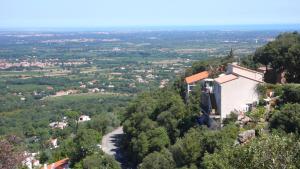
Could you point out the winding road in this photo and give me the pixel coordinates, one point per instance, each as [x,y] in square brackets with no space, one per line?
[110,142]
[110,145]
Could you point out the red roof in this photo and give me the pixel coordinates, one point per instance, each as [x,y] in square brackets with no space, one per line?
[58,164]
[197,77]
[225,78]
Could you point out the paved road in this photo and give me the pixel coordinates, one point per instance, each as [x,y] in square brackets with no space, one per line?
[110,142]
[111,145]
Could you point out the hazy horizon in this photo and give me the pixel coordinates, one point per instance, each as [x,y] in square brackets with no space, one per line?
[245,27]
[132,13]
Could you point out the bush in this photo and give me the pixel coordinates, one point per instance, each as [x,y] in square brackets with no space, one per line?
[287,118]
[257,114]
[269,151]
[291,93]
[158,160]
[262,89]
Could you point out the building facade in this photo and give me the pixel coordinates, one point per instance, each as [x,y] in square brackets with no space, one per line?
[236,90]
[193,80]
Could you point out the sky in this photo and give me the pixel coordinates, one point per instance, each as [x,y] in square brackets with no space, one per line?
[115,13]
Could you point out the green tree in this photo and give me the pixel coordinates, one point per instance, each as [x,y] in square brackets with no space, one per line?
[291,93]
[158,139]
[87,140]
[283,54]
[265,55]
[152,123]
[85,143]
[29,131]
[158,160]
[294,63]
[287,118]
[140,146]
[228,59]
[73,117]
[194,101]
[104,123]
[43,157]
[197,67]
[269,151]
[231,55]
[98,160]
[189,150]
[67,148]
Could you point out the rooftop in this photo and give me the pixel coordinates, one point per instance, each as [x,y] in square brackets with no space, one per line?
[246,69]
[247,73]
[58,164]
[225,78]
[197,77]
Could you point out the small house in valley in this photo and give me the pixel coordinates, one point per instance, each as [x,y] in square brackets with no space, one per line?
[58,125]
[53,143]
[84,118]
[31,161]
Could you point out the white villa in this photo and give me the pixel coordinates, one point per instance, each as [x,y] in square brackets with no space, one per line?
[57,124]
[53,143]
[236,90]
[31,160]
[233,91]
[84,118]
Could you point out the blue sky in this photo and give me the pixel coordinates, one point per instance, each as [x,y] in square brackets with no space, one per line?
[106,13]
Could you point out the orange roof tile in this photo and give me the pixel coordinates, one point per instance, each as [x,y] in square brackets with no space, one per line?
[197,77]
[225,78]
[58,164]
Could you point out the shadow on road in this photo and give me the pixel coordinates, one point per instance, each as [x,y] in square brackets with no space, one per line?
[116,141]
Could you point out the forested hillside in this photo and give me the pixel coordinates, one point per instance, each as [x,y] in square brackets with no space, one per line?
[161,128]
[161,131]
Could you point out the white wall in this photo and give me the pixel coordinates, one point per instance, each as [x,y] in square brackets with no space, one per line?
[236,94]
[240,71]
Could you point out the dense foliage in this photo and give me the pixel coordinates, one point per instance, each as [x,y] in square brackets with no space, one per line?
[153,122]
[287,118]
[84,152]
[154,126]
[268,151]
[11,155]
[282,55]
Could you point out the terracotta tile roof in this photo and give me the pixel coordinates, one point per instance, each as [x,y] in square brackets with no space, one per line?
[225,78]
[58,164]
[197,77]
